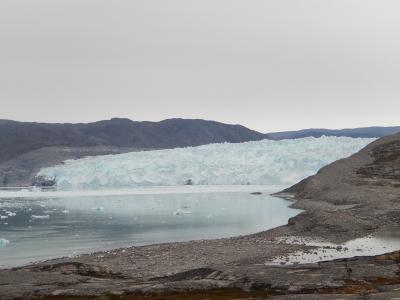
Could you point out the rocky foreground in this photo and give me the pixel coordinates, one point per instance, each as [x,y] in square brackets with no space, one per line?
[350,198]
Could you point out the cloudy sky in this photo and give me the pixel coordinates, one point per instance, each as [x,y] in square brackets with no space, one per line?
[269,65]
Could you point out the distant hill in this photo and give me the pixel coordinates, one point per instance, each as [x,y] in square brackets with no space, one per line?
[17,138]
[365,132]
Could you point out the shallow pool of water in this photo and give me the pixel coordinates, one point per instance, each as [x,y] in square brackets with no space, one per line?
[49,225]
[382,241]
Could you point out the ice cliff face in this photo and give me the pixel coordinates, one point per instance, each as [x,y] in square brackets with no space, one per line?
[263,162]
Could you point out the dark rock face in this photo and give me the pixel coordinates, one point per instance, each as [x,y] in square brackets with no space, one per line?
[189,182]
[41,181]
[386,162]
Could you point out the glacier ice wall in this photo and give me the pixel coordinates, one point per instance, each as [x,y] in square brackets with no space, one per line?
[263,162]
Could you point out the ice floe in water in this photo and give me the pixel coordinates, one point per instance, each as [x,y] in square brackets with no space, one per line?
[182,211]
[40,217]
[263,162]
[4,242]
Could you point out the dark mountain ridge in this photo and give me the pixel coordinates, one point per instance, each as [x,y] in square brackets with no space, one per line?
[362,132]
[17,138]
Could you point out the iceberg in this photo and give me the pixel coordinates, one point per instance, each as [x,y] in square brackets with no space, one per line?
[40,217]
[4,242]
[265,162]
[181,211]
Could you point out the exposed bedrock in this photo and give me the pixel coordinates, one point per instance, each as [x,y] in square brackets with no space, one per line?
[374,277]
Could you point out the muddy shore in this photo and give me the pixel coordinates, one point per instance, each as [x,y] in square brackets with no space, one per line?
[350,198]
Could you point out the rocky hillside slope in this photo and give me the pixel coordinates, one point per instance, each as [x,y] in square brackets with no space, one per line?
[375,167]
[352,196]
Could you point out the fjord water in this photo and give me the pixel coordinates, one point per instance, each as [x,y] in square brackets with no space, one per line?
[44,227]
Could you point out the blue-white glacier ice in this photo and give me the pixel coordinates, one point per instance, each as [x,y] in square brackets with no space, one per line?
[263,163]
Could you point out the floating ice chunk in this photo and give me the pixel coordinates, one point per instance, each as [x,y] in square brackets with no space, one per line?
[40,217]
[101,208]
[4,242]
[180,212]
[65,211]
[11,214]
[3,217]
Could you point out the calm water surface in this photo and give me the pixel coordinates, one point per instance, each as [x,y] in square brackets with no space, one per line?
[40,228]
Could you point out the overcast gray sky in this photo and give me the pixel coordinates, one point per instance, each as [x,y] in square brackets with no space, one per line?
[269,65]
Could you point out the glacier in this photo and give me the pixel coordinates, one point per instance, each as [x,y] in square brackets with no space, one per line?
[266,162]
